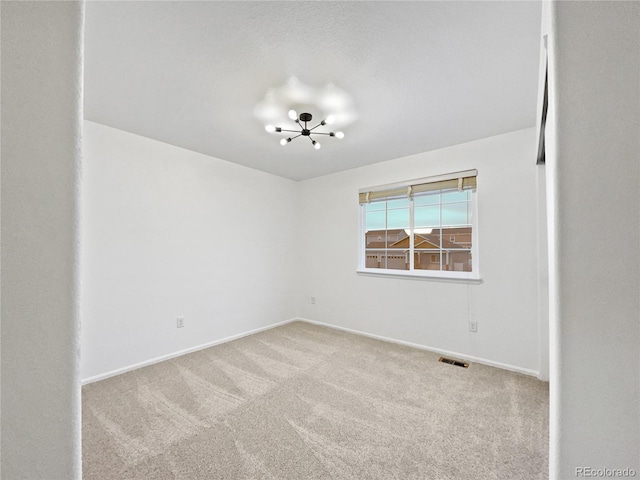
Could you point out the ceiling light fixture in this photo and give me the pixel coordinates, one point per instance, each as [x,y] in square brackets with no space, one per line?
[304,131]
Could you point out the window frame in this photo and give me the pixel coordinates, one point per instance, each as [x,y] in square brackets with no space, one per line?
[445,275]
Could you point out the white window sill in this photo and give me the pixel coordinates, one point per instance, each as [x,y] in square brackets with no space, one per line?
[433,275]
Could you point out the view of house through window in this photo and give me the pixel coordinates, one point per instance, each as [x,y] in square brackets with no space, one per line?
[430,230]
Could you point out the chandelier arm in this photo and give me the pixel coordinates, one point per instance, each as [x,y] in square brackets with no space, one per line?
[311,129]
[322,133]
[299,135]
[298,122]
[294,131]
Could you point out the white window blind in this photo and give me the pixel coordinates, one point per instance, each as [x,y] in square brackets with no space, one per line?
[455,181]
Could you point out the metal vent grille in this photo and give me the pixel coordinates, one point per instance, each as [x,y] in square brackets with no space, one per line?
[451,361]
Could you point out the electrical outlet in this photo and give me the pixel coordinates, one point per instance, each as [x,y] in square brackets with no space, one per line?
[473,326]
[180,322]
[313,300]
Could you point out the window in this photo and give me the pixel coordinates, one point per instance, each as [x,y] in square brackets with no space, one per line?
[425,227]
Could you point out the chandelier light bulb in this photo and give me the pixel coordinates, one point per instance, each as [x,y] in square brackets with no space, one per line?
[284,141]
[293,115]
[316,145]
[339,135]
[330,119]
[270,128]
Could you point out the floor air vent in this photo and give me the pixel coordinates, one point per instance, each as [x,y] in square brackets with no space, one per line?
[450,361]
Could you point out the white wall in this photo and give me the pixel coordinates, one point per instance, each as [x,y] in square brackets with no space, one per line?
[543,274]
[41,112]
[593,175]
[426,312]
[167,232]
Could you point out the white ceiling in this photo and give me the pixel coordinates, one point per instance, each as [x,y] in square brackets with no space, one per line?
[423,75]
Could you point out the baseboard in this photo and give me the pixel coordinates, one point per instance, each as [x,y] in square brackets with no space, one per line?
[169,356]
[162,358]
[461,356]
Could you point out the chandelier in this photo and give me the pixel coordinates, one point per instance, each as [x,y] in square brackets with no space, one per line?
[305,131]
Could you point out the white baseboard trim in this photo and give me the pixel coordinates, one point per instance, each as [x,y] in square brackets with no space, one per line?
[169,356]
[461,356]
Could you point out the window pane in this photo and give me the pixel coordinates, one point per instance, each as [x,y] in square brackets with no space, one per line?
[455,214]
[427,240]
[374,206]
[398,218]
[427,259]
[433,199]
[455,196]
[457,237]
[375,258]
[387,249]
[426,216]
[457,261]
[375,220]
[399,203]
[375,242]
[397,259]
[376,239]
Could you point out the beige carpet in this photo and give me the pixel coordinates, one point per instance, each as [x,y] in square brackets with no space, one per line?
[306,402]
